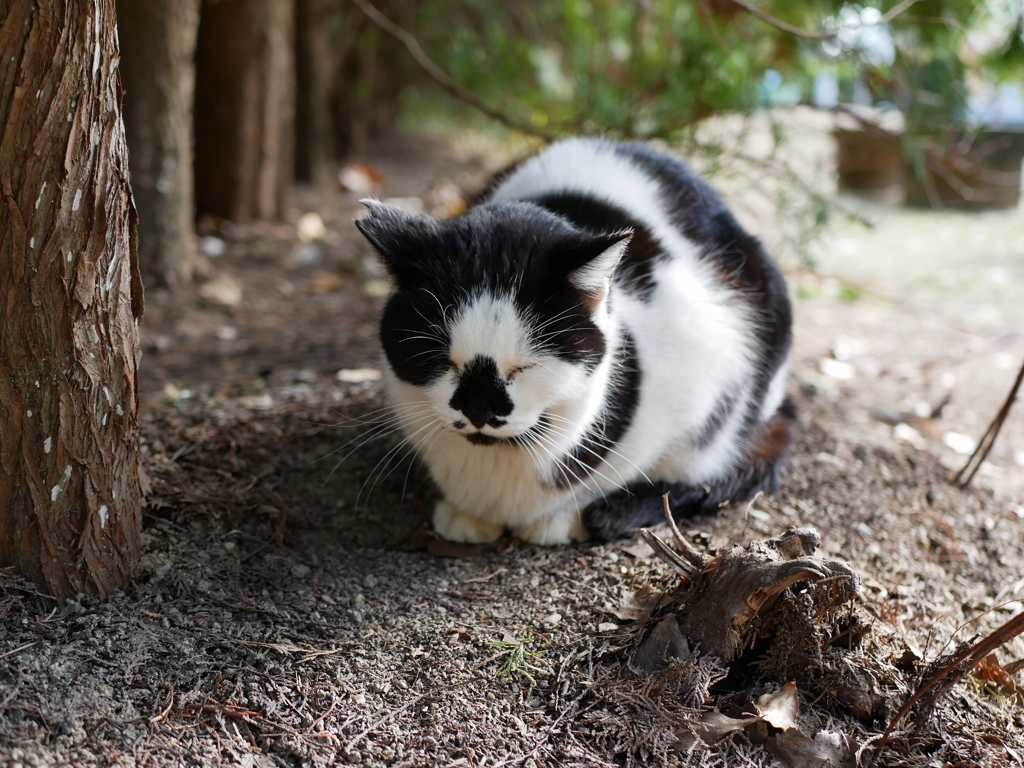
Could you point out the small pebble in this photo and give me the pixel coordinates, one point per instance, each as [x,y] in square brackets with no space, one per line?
[300,571]
[370,581]
[551,619]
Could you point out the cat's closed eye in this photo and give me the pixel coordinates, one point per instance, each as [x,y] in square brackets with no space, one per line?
[518,369]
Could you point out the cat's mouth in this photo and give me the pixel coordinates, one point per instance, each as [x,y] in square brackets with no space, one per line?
[523,438]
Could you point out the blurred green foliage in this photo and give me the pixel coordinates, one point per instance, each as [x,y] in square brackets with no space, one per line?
[655,68]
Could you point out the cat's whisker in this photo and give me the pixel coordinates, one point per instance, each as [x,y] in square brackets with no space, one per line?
[413,448]
[372,417]
[421,448]
[572,479]
[363,440]
[594,470]
[386,460]
[610,449]
[382,429]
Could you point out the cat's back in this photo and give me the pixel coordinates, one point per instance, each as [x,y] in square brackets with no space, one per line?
[591,171]
[603,186]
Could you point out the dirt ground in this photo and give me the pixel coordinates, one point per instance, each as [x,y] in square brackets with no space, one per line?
[292,607]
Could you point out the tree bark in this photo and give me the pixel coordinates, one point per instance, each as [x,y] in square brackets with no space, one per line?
[72,297]
[313,64]
[368,80]
[244,115]
[158,44]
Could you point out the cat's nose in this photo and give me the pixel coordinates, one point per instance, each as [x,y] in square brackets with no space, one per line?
[478,415]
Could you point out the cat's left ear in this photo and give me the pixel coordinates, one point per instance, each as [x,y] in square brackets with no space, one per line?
[600,255]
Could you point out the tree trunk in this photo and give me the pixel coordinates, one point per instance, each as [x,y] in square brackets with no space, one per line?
[158,43]
[313,64]
[72,297]
[244,117]
[368,79]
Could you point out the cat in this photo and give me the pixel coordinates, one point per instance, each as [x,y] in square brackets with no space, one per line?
[596,332]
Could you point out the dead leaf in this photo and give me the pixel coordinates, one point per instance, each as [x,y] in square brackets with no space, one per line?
[361,178]
[636,606]
[710,729]
[640,549]
[223,290]
[781,708]
[990,669]
[325,282]
[358,375]
[663,645]
[310,227]
[796,750]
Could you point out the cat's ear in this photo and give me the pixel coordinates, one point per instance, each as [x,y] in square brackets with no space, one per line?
[597,259]
[399,237]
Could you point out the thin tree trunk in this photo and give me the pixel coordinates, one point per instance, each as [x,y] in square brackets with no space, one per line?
[244,112]
[72,296]
[158,44]
[313,64]
[368,79]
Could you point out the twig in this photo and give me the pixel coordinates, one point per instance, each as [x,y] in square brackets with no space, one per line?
[690,552]
[779,24]
[891,14]
[166,710]
[962,663]
[381,721]
[16,650]
[334,703]
[441,77]
[683,567]
[989,438]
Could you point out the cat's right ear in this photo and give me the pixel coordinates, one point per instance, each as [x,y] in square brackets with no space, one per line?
[399,237]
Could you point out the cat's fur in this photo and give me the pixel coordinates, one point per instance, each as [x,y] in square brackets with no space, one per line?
[597,332]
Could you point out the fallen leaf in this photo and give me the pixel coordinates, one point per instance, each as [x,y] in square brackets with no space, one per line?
[664,644]
[781,708]
[990,669]
[710,729]
[212,246]
[639,549]
[836,369]
[358,375]
[361,178]
[961,444]
[636,606]
[377,288]
[310,227]
[796,750]
[325,282]
[223,290]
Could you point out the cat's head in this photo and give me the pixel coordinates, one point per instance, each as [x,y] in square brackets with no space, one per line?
[499,316]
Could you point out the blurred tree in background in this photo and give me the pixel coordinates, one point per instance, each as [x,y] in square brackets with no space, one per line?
[285,88]
[158,47]
[654,68]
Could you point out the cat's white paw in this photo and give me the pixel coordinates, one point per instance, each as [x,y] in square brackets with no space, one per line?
[456,525]
[555,529]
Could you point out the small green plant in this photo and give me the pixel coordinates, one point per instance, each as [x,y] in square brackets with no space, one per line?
[519,660]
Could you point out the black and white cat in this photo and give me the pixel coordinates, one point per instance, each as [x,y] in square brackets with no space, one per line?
[597,332]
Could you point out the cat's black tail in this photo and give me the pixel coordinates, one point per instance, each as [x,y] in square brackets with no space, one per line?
[640,505]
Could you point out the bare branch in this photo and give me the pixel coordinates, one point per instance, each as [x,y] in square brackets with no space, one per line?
[989,438]
[888,16]
[441,77]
